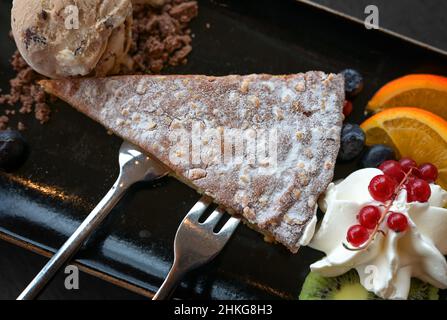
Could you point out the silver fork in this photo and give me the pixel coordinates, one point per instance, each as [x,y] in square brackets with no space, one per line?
[135,166]
[196,244]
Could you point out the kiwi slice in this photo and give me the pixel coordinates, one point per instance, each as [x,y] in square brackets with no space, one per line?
[420,290]
[344,287]
[348,287]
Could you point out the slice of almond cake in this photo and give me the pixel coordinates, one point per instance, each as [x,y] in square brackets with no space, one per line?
[262,146]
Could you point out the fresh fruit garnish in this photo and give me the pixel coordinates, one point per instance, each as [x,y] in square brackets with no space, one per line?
[357,235]
[424,91]
[429,172]
[407,164]
[385,188]
[393,169]
[413,133]
[344,287]
[418,190]
[347,108]
[348,287]
[352,142]
[369,216]
[13,150]
[382,188]
[353,82]
[416,173]
[397,222]
[377,154]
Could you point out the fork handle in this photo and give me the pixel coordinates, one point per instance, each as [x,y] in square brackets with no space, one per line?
[170,283]
[72,245]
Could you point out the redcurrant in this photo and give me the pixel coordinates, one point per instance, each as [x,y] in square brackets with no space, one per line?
[382,188]
[369,216]
[393,169]
[418,190]
[347,108]
[429,172]
[357,235]
[397,222]
[407,164]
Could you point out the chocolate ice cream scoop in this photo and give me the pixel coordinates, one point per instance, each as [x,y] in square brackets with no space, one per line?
[68,38]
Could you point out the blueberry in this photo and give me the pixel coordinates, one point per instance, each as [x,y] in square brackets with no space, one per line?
[353,82]
[377,154]
[13,150]
[352,142]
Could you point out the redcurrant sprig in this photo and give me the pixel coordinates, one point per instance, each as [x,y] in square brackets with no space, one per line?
[385,188]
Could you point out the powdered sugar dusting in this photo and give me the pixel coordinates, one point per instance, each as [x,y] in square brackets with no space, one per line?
[304,109]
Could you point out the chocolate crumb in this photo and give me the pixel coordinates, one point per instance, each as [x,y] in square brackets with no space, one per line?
[31,35]
[43,15]
[24,92]
[81,48]
[185,12]
[42,112]
[4,120]
[21,126]
[161,36]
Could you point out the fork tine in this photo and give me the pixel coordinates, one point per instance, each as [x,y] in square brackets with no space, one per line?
[229,227]
[199,208]
[214,218]
[196,244]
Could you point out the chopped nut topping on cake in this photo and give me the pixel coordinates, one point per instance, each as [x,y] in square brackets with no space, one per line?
[262,190]
[195,174]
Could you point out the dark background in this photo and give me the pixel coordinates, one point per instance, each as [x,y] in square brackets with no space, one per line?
[422,20]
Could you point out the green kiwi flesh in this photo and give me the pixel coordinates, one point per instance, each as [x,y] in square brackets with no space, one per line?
[348,287]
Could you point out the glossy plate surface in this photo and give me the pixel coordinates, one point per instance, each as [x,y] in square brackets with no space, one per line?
[73,160]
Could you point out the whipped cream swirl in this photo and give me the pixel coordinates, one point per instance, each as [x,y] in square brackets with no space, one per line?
[387,265]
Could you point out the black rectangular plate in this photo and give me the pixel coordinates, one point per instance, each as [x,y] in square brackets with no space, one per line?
[73,160]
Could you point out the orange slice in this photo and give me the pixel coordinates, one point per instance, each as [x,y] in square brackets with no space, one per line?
[412,132]
[424,91]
